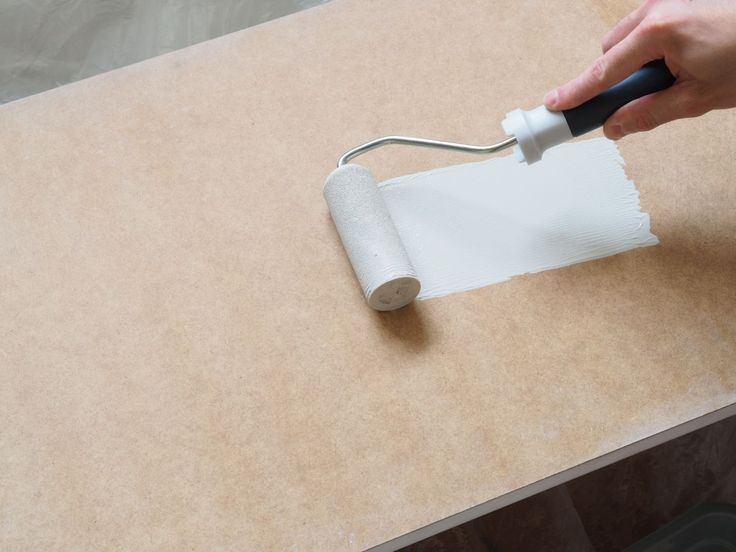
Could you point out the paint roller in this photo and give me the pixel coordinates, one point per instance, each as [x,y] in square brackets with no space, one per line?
[364,223]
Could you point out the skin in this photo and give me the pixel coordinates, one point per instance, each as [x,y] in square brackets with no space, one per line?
[697,40]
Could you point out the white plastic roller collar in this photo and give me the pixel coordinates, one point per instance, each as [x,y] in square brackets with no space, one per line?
[536,131]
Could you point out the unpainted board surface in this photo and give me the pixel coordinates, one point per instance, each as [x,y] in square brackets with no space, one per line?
[187,361]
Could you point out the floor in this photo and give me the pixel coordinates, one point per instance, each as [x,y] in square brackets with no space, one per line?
[612,508]
[47,43]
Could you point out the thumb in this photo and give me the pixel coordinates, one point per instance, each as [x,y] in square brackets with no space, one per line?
[649,112]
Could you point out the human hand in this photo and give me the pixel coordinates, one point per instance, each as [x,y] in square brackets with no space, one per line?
[697,40]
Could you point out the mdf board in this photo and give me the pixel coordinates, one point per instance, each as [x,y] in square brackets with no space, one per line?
[187,360]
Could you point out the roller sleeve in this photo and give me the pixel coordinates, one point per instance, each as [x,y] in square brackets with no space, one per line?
[370,239]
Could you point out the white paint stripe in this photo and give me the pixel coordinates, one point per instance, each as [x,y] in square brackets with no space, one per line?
[472,225]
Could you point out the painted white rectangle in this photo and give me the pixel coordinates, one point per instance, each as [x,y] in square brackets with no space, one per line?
[471,225]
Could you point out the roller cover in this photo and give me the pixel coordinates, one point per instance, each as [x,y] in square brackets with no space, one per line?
[370,239]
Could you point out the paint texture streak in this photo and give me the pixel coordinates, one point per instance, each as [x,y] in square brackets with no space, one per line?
[469,226]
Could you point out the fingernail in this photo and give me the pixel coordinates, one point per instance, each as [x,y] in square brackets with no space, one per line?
[550,98]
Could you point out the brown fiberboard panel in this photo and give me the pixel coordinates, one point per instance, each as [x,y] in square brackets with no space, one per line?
[187,360]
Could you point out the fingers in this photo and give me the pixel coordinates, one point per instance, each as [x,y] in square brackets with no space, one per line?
[651,111]
[624,27]
[636,49]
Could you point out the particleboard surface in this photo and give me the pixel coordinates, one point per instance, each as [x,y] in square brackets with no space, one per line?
[187,361]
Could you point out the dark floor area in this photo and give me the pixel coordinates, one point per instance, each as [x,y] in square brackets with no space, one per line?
[611,508]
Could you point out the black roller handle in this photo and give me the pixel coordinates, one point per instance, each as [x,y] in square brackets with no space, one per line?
[652,77]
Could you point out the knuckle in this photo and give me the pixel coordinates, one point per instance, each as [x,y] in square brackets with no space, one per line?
[598,69]
[658,24]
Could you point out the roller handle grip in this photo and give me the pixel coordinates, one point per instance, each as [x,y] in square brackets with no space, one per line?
[652,77]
